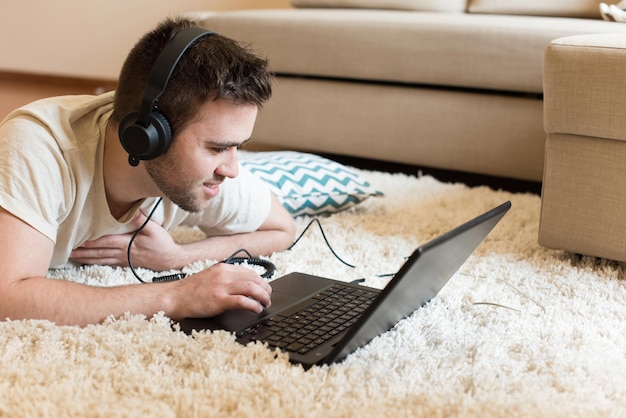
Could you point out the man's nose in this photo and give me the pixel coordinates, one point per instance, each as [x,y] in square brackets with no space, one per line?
[229,167]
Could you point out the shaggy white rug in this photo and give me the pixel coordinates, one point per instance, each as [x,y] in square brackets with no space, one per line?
[519,331]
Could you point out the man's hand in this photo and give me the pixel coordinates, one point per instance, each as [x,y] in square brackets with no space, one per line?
[153,248]
[216,289]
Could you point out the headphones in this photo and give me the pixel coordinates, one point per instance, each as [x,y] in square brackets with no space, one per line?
[146,134]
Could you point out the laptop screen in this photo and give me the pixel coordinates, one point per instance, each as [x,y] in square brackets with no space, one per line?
[419,280]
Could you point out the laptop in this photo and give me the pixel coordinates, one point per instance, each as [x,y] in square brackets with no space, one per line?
[317,320]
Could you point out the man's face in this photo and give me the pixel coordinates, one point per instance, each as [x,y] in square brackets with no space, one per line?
[203,154]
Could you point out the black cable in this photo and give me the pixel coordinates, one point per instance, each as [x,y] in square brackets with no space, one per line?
[156,279]
[316,220]
[269,267]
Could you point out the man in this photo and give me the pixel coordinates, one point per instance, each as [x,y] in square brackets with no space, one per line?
[68,192]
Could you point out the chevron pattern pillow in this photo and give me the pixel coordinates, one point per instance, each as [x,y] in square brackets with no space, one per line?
[307,184]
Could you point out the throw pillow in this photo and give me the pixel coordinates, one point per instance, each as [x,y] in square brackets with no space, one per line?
[419,5]
[307,184]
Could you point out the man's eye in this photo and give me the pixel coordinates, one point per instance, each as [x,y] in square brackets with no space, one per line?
[221,150]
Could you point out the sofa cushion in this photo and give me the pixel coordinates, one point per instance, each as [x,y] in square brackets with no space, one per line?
[564,8]
[483,51]
[584,87]
[420,5]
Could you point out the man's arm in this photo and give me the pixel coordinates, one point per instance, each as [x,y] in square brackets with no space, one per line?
[155,249]
[25,292]
[276,233]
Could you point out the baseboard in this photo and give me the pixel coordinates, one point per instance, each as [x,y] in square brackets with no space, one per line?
[470,179]
[19,89]
[448,176]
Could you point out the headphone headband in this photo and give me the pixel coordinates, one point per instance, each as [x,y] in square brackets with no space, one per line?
[146,134]
[164,67]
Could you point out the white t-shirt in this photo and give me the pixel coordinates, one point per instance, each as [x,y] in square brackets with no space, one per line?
[51,155]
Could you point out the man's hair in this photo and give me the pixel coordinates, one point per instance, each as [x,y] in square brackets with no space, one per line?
[213,68]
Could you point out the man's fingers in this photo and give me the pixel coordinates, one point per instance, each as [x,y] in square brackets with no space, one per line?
[244,302]
[254,299]
[139,219]
[102,256]
[107,241]
[246,294]
[100,261]
[243,288]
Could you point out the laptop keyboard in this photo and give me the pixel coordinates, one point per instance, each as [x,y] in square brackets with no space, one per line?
[330,313]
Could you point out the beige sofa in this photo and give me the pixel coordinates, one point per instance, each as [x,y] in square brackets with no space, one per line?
[583,197]
[449,84]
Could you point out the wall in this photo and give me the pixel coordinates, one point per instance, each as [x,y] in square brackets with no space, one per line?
[88,38]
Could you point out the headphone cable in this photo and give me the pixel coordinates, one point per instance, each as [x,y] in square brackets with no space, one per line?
[130,244]
[268,265]
[316,220]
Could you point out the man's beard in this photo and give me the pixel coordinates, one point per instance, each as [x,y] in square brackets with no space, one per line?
[175,184]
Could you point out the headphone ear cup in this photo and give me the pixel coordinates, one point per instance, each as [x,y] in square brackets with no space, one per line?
[164,131]
[145,143]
